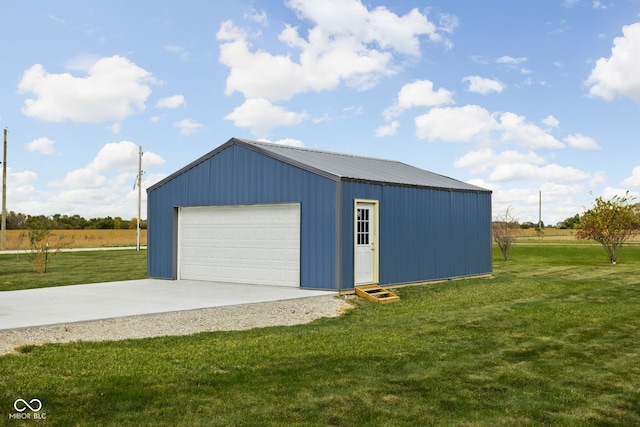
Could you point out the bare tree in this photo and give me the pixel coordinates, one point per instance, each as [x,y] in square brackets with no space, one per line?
[504,230]
[39,235]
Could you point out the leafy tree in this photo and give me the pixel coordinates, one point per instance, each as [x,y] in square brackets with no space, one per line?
[15,221]
[571,222]
[20,221]
[103,223]
[611,223]
[504,231]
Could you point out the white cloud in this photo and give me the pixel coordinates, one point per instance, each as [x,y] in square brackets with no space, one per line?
[187,126]
[418,94]
[344,43]
[529,172]
[387,130]
[381,26]
[174,101]
[526,174]
[514,63]
[558,199]
[21,191]
[483,85]
[116,156]
[57,20]
[122,156]
[103,187]
[620,73]
[41,146]
[347,44]
[461,124]
[581,142]
[259,17]
[527,134]
[634,179]
[93,190]
[114,89]
[610,192]
[17,179]
[448,22]
[484,160]
[598,5]
[261,116]
[115,128]
[511,61]
[472,123]
[324,65]
[551,122]
[81,178]
[597,179]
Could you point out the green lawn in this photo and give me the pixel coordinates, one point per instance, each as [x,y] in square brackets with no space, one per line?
[552,339]
[72,268]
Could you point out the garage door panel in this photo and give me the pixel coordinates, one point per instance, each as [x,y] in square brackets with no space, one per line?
[246,244]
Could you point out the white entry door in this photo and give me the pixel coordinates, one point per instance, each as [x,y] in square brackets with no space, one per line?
[254,244]
[365,240]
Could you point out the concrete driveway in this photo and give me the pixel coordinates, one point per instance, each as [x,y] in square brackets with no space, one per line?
[78,303]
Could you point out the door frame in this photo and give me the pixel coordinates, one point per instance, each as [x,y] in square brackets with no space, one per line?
[376,238]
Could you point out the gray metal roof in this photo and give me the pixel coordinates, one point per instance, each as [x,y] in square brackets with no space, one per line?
[339,167]
[350,167]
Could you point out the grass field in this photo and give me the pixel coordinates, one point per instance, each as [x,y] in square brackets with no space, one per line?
[552,339]
[72,268]
[83,238]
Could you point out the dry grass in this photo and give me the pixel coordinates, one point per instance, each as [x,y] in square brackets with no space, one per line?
[555,234]
[83,238]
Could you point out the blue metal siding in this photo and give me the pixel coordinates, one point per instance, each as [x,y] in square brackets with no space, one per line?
[238,175]
[425,234]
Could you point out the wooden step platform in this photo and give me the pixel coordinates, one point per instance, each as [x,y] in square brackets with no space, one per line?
[376,294]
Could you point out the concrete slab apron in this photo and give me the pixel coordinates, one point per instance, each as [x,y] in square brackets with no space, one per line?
[78,303]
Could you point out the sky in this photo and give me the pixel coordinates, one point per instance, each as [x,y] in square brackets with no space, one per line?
[525,98]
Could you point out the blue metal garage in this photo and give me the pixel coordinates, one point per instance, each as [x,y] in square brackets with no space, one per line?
[255,212]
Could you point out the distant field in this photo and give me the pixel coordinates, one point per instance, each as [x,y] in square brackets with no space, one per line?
[548,233]
[84,238]
[551,234]
[110,238]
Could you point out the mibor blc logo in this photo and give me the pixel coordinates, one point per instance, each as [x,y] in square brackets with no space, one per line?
[28,410]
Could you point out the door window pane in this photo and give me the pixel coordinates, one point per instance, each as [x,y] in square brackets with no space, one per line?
[362,227]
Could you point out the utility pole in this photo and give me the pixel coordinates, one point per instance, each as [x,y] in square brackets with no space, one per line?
[139,197]
[540,210]
[4,193]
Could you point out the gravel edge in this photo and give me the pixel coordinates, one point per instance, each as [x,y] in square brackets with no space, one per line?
[227,318]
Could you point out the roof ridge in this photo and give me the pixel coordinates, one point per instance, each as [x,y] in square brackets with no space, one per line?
[333,153]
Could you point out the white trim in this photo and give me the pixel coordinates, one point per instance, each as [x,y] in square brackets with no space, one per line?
[376,238]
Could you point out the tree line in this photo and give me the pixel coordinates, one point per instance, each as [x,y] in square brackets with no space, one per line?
[20,221]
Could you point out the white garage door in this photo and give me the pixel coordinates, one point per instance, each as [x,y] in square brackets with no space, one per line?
[257,244]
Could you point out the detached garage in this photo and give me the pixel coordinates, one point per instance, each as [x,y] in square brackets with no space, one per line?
[261,213]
